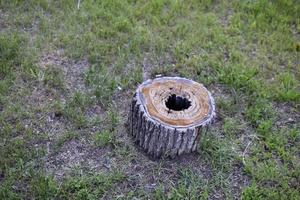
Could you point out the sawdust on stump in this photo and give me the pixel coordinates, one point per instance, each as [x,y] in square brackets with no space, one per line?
[169,114]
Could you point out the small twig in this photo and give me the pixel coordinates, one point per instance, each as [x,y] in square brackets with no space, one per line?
[78,4]
[245,151]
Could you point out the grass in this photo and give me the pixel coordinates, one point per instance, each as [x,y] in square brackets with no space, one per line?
[103,138]
[245,52]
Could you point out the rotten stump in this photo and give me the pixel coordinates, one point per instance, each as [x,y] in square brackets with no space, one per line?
[169,114]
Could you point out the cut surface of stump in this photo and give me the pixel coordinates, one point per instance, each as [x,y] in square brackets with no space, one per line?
[169,114]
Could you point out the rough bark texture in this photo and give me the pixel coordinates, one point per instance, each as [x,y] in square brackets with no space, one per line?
[161,139]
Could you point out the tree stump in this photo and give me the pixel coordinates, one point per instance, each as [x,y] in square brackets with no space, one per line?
[169,114]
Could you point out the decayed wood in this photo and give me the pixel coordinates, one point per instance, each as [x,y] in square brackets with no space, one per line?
[165,132]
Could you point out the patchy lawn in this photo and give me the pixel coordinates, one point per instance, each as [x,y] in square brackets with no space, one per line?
[68,70]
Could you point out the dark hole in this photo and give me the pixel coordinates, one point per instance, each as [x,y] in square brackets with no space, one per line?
[177,103]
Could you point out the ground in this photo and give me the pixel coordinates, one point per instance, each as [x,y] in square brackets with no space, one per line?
[68,70]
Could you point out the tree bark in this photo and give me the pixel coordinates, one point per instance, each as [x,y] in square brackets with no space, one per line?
[168,116]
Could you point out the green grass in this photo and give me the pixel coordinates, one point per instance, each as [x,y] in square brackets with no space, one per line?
[245,52]
[103,138]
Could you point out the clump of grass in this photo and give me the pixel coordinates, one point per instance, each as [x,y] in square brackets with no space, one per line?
[238,76]
[13,151]
[107,136]
[113,118]
[10,53]
[227,107]
[132,78]
[10,58]
[102,82]
[54,77]
[86,187]
[43,187]
[231,127]
[287,89]
[103,138]
[89,187]
[221,152]
[258,111]
[75,109]
[190,185]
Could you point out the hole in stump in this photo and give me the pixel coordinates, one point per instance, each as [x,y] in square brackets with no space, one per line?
[177,103]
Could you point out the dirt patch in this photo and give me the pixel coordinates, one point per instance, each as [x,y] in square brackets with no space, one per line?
[289,115]
[3,16]
[73,70]
[238,181]
[42,99]
[77,157]
[73,155]
[225,20]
